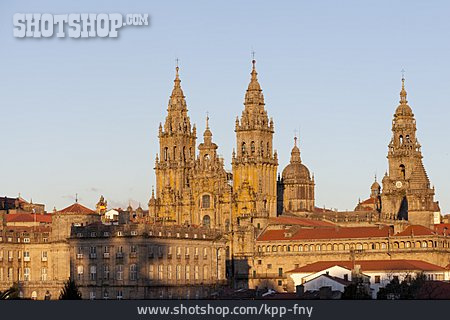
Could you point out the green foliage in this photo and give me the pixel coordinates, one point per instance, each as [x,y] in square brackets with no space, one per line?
[70,291]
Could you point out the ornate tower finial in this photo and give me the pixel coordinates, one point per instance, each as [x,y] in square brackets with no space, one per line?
[403,91]
[76,197]
[295,140]
[207,120]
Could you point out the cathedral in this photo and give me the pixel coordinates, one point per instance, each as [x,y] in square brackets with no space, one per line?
[207,230]
[193,187]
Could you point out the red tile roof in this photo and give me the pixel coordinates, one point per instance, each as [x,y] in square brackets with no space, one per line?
[325,233]
[46,228]
[369,201]
[28,217]
[77,208]
[415,230]
[287,220]
[371,265]
[442,228]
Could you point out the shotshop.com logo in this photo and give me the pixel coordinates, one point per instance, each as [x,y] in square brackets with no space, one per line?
[74,25]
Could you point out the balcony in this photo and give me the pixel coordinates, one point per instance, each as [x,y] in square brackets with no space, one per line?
[26,259]
[119,255]
[150,255]
[133,254]
[44,259]
[186,256]
[205,257]
[105,255]
[160,255]
[79,256]
[92,256]
[178,256]
[196,257]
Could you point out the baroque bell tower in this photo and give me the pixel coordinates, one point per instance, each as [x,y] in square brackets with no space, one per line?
[255,163]
[175,161]
[407,194]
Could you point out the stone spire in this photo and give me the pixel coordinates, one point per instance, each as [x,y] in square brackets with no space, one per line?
[403,93]
[207,135]
[403,109]
[295,153]
[177,119]
[254,98]
[177,98]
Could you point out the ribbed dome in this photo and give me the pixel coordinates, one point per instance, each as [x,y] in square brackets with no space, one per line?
[403,110]
[295,171]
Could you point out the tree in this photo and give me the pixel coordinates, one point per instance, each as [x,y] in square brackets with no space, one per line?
[10,294]
[357,290]
[70,291]
[407,289]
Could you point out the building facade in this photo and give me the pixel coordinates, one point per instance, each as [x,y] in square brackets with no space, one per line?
[206,228]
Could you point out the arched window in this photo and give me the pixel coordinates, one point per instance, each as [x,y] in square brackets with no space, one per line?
[243,148]
[252,147]
[206,221]
[206,157]
[175,153]
[400,139]
[402,171]
[206,201]
[166,154]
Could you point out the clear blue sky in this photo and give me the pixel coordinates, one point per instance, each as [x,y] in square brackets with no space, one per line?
[82,116]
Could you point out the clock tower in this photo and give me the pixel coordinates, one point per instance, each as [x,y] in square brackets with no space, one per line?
[407,194]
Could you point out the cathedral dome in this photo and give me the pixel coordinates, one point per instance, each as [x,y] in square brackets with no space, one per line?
[295,171]
[403,110]
[375,186]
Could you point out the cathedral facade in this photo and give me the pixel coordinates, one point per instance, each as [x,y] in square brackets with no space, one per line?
[207,229]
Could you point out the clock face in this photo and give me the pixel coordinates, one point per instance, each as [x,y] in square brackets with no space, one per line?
[398,184]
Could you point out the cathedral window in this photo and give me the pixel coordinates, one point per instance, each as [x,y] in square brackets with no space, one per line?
[166,154]
[402,171]
[252,147]
[243,147]
[206,221]
[206,201]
